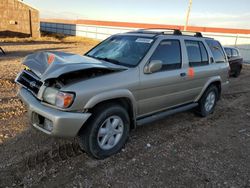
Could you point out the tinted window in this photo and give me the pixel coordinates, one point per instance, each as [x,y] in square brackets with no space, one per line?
[217,51]
[169,52]
[235,52]
[197,53]
[228,52]
[204,54]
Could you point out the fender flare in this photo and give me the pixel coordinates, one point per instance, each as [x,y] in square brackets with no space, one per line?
[114,94]
[209,82]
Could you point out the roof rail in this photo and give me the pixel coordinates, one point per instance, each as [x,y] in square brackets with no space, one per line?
[192,33]
[167,30]
[161,30]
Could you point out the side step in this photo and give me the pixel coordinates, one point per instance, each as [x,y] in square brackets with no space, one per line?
[162,115]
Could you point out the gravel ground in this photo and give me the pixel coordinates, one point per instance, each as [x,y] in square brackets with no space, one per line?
[181,151]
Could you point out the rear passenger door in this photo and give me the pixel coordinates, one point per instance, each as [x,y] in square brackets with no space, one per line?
[165,88]
[198,67]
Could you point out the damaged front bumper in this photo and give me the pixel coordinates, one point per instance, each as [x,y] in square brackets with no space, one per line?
[52,121]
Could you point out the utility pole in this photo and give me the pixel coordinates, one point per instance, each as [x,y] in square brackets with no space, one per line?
[188,12]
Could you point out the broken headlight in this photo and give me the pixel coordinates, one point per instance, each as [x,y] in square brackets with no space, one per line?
[58,98]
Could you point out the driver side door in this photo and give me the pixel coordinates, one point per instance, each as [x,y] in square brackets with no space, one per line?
[163,89]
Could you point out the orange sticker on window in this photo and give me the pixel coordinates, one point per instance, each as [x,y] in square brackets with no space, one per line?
[51,58]
[191,72]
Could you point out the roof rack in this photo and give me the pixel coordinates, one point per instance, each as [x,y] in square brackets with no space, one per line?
[161,30]
[193,33]
[165,31]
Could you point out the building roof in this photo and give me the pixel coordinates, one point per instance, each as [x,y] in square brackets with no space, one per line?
[26,4]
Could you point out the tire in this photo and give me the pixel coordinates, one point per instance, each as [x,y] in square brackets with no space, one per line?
[205,107]
[96,138]
[237,72]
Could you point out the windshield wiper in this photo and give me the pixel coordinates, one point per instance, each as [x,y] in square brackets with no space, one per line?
[88,55]
[109,60]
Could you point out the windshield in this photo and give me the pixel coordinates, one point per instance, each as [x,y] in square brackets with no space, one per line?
[122,50]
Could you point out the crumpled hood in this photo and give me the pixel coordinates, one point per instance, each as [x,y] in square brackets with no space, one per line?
[48,65]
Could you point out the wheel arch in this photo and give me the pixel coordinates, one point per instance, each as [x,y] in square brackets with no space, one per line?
[122,97]
[214,81]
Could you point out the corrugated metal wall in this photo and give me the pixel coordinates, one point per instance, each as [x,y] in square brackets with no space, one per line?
[90,31]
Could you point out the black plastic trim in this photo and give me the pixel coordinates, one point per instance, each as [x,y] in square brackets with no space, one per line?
[163,114]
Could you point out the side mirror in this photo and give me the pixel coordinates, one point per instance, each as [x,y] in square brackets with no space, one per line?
[229,56]
[153,66]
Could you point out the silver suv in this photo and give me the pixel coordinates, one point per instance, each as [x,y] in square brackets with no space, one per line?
[128,80]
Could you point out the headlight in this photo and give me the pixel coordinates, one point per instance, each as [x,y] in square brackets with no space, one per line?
[58,98]
[50,94]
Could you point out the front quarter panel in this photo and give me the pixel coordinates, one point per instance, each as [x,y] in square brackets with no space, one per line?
[115,85]
[114,94]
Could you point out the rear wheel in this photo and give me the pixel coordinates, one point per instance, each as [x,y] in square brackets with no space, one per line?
[208,101]
[106,132]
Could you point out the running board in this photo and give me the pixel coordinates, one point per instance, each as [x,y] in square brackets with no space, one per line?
[162,115]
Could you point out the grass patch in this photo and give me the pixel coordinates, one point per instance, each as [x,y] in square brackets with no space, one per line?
[53,37]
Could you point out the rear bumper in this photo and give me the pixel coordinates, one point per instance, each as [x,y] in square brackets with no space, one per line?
[64,124]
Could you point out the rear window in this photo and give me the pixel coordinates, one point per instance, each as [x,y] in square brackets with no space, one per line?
[217,51]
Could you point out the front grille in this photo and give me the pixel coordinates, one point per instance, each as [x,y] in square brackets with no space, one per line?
[29,81]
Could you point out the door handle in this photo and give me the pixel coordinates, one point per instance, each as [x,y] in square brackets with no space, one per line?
[183,74]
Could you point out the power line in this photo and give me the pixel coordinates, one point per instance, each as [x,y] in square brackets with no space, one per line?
[188,12]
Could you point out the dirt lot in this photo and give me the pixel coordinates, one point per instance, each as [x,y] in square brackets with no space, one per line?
[181,151]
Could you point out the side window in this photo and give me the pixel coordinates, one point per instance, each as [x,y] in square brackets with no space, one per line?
[235,52]
[217,51]
[228,52]
[197,53]
[204,54]
[169,52]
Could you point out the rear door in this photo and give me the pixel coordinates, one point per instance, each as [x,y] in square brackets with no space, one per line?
[198,71]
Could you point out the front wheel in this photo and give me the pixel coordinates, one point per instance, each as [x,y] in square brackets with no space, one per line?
[208,101]
[106,132]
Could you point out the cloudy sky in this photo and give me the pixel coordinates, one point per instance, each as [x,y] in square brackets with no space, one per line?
[214,13]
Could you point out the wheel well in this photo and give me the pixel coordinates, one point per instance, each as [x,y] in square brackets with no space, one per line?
[125,103]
